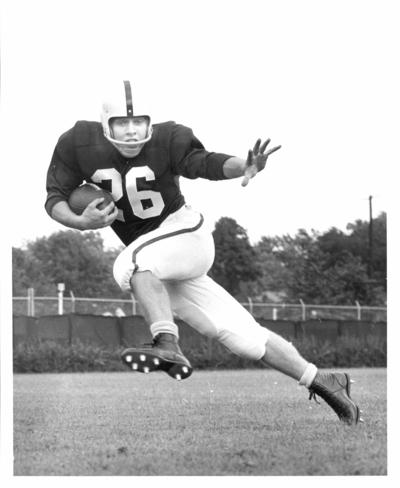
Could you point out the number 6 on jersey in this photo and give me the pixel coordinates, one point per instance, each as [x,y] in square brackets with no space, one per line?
[136,197]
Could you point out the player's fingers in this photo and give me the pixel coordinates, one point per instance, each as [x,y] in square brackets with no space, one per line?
[94,203]
[109,208]
[249,158]
[262,148]
[109,216]
[251,171]
[245,180]
[270,151]
[114,213]
[257,146]
[112,216]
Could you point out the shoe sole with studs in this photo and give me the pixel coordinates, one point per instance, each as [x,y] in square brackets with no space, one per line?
[147,362]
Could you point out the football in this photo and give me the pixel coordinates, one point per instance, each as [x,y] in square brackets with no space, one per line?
[86,193]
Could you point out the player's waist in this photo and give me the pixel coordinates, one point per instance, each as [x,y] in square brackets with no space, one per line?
[129,231]
[185,215]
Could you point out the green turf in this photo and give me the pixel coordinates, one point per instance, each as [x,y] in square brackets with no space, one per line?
[251,422]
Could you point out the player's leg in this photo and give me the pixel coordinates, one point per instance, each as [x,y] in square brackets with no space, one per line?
[180,248]
[284,357]
[334,388]
[212,311]
[155,303]
[164,353]
[152,296]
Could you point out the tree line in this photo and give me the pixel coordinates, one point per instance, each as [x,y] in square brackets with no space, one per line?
[333,267]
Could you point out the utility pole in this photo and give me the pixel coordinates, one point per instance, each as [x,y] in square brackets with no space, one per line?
[370,235]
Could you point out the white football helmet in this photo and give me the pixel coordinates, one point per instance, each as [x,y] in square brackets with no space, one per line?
[120,103]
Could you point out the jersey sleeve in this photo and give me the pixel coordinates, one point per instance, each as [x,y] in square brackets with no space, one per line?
[190,159]
[63,174]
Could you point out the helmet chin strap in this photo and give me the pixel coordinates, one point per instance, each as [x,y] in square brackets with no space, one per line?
[129,149]
[128,152]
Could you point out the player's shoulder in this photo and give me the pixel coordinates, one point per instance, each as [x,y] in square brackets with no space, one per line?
[88,133]
[160,128]
[172,130]
[170,125]
[83,133]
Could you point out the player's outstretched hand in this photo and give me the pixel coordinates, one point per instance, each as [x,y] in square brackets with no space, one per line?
[96,218]
[257,159]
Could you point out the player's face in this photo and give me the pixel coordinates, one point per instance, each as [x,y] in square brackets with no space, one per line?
[129,129]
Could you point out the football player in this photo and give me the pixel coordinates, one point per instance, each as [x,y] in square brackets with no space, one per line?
[168,249]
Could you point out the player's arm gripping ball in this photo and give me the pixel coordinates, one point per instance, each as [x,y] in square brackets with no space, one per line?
[94,206]
[257,159]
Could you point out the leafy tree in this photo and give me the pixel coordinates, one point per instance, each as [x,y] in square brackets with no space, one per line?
[28,272]
[235,265]
[21,281]
[274,275]
[315,275]
[357,243]
[319,268]
[75,258]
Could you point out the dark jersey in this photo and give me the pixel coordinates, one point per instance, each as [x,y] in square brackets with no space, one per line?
[145,188]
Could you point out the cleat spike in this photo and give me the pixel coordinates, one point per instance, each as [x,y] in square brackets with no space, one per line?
[134,366]
[156,361]
[352,381]
[142,357]
[128,358]
[361,420]
[146,369]
[185,369]
[178,377]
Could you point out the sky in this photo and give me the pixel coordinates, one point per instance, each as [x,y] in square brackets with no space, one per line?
[316,77]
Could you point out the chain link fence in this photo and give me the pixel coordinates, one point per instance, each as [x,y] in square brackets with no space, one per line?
[39,306]
[302,311]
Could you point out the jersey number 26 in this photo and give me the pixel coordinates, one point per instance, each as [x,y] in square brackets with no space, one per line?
[135,196]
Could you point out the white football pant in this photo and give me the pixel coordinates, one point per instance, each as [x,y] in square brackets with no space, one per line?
[180,253]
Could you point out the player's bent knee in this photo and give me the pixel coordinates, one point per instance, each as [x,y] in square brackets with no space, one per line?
[123,270]
[251,346]
[145,278]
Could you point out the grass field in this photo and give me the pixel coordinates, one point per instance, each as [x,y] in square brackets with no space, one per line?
[241,422]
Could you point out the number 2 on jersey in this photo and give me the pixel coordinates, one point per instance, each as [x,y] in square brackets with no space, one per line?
[136,197]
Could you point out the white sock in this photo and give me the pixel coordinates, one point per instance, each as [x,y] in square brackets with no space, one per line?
[308,375]
[164,327]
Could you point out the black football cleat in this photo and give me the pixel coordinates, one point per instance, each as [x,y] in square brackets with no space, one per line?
[334,388]
[164,354]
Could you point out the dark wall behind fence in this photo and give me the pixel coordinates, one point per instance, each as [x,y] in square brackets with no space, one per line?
[130,331]
[69,342]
